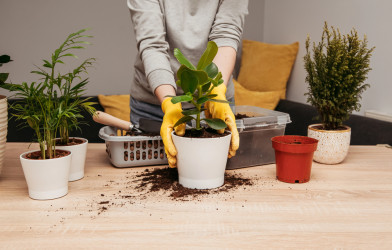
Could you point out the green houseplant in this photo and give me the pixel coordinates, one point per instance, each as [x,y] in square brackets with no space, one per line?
[45,106]
[70,87]
[197,84]
[337,68]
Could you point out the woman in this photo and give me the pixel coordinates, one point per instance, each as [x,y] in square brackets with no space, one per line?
[162,25]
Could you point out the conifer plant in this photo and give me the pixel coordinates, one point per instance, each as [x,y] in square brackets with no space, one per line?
[337,68]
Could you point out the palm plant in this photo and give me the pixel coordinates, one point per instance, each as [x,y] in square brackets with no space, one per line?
[53,105]
[69,96]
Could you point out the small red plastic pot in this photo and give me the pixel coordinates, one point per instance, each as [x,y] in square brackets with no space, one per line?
[294,157]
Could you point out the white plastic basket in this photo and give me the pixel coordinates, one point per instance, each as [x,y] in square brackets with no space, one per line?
[132,151]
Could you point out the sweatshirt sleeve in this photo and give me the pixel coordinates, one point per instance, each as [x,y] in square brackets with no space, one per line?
[229,23]
[149,26]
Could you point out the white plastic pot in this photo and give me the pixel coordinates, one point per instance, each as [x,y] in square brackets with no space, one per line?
[46,179]
[201,162]
[79,152]
[333,145]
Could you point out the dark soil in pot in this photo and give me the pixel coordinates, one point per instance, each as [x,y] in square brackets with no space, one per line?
[204,133]
[72,142]
[321,127]
[36,155]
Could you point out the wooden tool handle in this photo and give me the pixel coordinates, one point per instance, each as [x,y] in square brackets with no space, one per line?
[106,119]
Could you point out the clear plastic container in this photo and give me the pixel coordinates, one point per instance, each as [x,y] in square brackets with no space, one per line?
[255,132]
[132,151]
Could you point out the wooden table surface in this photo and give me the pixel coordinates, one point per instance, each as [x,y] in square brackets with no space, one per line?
[344,206]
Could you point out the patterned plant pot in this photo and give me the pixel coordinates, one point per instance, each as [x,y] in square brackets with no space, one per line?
[3,127]
[333,144]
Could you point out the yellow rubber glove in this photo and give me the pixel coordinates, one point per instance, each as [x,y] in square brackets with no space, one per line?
[172,115]
[223,111]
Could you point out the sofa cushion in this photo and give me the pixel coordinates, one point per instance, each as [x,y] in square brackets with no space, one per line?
[116,105]
[263,99]
[266,67]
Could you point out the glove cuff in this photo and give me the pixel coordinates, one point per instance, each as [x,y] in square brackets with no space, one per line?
[167,105]
[220,91]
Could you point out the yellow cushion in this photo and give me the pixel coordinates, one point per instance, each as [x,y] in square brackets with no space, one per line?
[116,105]
[265,99]
[266,67]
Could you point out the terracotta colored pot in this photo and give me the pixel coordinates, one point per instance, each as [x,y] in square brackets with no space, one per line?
[294,156]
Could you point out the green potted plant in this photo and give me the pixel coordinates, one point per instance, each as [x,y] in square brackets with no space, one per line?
[211,152]
[70,88]
[3,111]
[43,109]
[337,68]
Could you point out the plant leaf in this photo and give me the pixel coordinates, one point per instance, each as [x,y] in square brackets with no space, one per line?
[216,123]
[206,87]
[208,55]
[218,100]
[189,81]
[5,59]
[182,59]
[181,98]
[212,70]
[192,111]
[3,77]
[202,100]
[183,119]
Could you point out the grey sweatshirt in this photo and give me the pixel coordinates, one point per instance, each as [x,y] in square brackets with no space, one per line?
[163,25]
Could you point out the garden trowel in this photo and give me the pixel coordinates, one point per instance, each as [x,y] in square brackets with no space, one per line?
[145,125]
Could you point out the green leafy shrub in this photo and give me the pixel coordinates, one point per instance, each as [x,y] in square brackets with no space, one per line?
[197,84]
[4,59]
[53,105]
[336,73]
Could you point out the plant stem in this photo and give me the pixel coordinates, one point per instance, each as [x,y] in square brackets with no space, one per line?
[198,107]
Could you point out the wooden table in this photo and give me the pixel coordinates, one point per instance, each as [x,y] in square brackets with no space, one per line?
[343,206]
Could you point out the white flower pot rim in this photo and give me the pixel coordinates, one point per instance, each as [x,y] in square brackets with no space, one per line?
[197,138]
[311,127]
[80,138]
[23,155]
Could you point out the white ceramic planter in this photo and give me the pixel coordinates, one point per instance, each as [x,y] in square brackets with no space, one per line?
[333,145]
[201,162]
[46,179]
[79,152]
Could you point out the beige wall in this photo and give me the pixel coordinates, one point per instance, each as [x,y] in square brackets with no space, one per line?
[286,21]
[31,30]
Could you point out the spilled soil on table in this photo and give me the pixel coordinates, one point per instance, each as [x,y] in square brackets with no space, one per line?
[166,179]
[159,181]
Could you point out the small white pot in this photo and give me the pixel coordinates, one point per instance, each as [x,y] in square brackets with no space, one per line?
[333,145]
[78,159]
[201,162]
[46,179]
